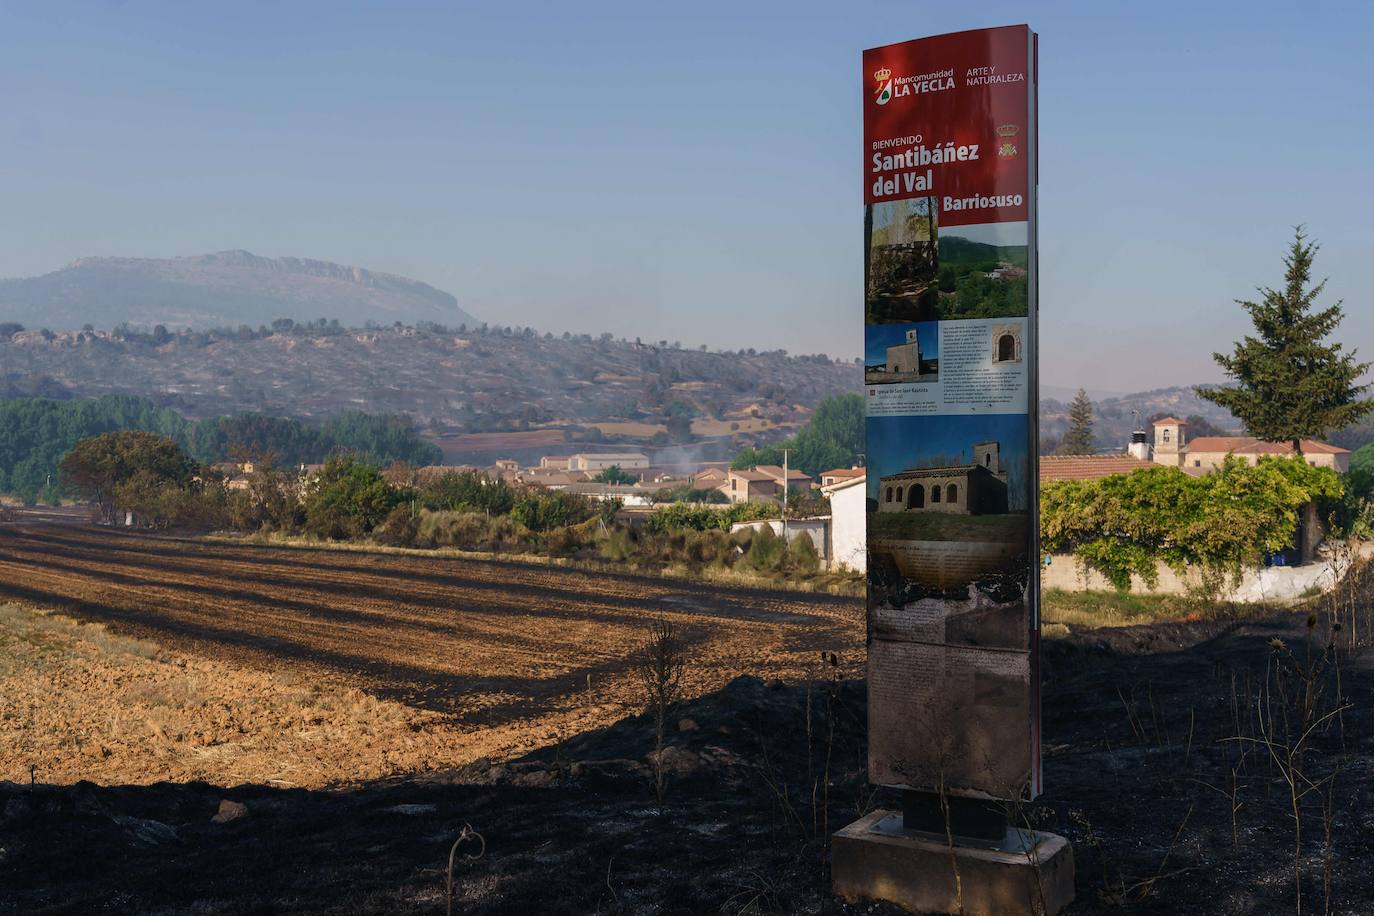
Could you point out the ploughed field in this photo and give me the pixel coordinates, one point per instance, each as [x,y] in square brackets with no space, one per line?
[475,658]
[282,730]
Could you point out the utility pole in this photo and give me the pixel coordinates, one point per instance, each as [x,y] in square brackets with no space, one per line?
[784,497]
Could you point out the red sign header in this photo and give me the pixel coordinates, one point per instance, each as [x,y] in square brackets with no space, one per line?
[948,117]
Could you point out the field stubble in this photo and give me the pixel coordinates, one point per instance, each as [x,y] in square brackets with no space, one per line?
[238,663]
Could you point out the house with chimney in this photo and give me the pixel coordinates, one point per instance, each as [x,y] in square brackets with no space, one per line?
[1173,448]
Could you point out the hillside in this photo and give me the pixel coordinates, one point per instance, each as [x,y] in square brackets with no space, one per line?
[508,391]
[1115,417]
[960,251]
[228,288]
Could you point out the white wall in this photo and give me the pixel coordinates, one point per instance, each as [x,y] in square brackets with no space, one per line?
[848,524]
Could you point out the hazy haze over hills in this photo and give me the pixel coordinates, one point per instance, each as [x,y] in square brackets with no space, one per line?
[227,288]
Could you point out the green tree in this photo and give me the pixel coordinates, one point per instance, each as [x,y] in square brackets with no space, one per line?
[467,491]
[1079,438]
[615,475]
[349,498]
[1290,383]
[833,438]
[96,466]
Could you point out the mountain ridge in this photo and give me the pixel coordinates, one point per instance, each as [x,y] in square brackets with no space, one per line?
[222,288]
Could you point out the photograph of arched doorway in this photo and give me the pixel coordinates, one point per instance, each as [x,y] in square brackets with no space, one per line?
[1007,342]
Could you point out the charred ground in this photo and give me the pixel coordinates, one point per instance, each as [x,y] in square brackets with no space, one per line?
[1145,737]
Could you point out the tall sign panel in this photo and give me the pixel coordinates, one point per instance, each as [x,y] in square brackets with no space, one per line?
[950,386]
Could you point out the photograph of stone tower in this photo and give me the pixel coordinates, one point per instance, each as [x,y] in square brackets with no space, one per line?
[979,488]
[908,352]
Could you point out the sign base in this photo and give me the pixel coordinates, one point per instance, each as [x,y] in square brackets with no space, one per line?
[875,858]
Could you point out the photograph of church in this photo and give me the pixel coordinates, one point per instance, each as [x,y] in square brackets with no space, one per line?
[908,352]
[979,488]
[948,505]
[984,457]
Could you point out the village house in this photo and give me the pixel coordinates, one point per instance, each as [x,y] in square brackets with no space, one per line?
[629,496]
[1088,467]
[235,474]
[710,478]
[749,486]
[979,488]
[835,475]
[556,462]
[848,534]
[796,480]
[600,461]
[1172,448]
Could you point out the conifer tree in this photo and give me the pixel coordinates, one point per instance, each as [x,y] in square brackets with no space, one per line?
[1290,383]
[1079,439]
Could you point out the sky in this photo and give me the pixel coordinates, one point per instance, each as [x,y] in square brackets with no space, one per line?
[690,172]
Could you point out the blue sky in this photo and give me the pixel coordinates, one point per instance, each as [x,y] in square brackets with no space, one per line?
[689,172]
[878,337]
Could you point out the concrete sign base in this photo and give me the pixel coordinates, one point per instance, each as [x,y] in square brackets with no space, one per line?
[875,859]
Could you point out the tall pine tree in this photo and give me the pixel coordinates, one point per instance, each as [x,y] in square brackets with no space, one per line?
[1290,383]
[1079,438]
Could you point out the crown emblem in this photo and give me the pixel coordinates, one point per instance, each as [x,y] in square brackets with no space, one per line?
[1007,130]
[882,75]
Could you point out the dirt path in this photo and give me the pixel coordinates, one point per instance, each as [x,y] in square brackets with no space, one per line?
[511,655]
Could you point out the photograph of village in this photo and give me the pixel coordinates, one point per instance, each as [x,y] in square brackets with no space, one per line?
[907,352]
[983,271]
[446,468]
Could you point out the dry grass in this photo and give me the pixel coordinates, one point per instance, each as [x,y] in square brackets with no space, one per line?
[847,583]
[629,428]
[1086,610]
[709,426]
[79,702]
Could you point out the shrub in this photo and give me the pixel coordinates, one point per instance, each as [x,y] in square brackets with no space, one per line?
[541,510]
[766,550]
[802,555]
[1218,523]
[452,529]
[682,516]
[467,491]
[399,528]
[619,545]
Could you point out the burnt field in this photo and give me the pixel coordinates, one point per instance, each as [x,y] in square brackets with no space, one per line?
[511,655]
[460,690]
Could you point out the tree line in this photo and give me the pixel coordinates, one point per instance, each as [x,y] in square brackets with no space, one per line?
[147,480]
[35,433]
[834,438]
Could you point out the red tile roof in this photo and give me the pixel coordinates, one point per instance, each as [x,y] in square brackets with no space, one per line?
[1088,467]
[1174,420]
[1249,445]
[775,471]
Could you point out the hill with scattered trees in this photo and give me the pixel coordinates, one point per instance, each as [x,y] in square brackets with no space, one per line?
[453,381]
